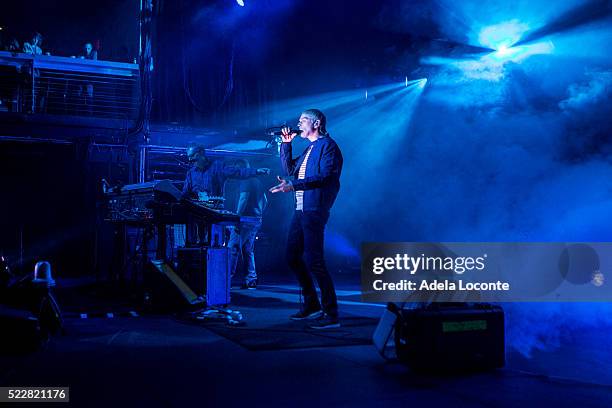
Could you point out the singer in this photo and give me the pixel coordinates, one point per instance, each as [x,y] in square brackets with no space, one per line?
[315,178]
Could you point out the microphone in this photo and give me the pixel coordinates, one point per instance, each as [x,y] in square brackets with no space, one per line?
[278,132]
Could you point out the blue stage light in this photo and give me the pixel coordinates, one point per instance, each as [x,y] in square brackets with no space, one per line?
[240,3]
[503,51]
[502,36]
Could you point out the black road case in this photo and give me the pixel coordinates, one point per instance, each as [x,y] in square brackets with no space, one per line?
[442,336]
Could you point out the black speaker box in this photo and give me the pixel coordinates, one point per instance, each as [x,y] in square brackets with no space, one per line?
[451,337]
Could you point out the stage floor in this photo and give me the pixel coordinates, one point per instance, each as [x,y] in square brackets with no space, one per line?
[131,359]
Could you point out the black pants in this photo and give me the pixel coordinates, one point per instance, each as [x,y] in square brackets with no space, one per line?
[306,259]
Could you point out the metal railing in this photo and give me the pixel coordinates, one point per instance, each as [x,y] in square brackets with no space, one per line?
[68,86]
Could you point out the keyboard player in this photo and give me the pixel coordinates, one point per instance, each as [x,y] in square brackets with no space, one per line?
[208,176]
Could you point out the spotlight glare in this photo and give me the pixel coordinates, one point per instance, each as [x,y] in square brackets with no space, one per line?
[406,81]
[240,3]
[503,35]
[503,50]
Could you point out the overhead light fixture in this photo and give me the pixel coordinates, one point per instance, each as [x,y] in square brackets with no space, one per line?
[240,3]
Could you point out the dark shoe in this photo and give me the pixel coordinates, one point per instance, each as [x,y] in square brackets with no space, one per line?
[249,285]
[325,322]
[306,315]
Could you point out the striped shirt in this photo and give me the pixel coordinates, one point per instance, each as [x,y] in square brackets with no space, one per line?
[299,195]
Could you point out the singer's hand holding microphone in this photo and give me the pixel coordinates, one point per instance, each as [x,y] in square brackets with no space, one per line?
[287,134]
[285,186]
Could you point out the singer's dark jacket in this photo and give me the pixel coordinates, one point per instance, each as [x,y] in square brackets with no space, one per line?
[322,181]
